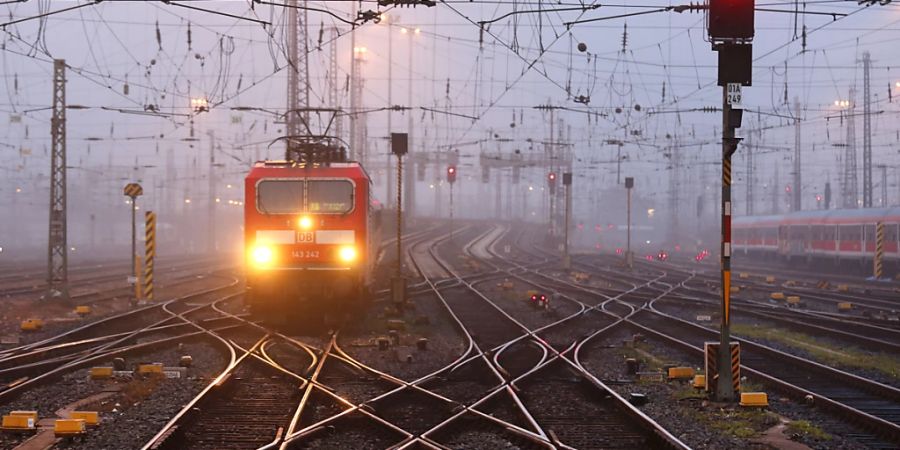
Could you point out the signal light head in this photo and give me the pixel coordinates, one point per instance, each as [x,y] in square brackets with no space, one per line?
[451,174]
[731,19]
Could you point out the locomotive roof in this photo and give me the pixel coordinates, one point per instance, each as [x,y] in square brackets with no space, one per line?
[349,169]
[825,216]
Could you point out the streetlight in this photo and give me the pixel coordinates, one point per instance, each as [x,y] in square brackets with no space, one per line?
[389,21]
[199,104]
[410,186]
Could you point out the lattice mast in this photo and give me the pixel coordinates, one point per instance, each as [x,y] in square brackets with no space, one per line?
[334,84]
[797,202]
[850,186]
[298,72]
[57,254]
[748,155]
[357,120]
[867,132]
[674,185]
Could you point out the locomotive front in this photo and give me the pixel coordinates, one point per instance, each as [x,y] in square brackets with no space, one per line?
[306,233]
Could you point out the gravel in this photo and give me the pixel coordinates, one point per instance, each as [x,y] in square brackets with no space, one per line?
[697,421]
[517,303]
[139,407]
[356,432]
[424,318]
[471,433]
[689,312]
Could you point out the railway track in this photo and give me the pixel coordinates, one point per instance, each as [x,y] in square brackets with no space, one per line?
[867,403]
[29,366]
[320,389]
[518,382]
[861,401]
[90,276]
[574,414]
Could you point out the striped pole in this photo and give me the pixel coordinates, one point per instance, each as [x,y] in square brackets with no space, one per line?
[149,253]
[879,250]
[724,388]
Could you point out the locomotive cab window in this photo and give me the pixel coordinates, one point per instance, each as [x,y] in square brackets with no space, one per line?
[329,196]
[279,197]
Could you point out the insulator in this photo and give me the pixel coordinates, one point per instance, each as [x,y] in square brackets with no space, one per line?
[158,36]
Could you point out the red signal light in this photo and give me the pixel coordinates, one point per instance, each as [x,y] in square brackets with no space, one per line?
[451,174]
[731,19]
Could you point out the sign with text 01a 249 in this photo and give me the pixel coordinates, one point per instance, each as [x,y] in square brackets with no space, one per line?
[734,95]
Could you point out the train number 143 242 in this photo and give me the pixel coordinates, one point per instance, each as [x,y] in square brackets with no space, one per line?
[304,254]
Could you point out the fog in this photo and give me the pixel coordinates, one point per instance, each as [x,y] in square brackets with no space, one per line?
[518,89]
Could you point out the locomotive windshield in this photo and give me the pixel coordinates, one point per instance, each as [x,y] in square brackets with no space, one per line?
[290,197]
[329,196]
[279,197]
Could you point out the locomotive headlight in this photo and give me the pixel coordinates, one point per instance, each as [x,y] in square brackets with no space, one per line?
[305,222]
[262,255]
[347,253]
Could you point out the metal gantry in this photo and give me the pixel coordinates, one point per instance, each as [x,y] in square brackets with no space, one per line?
[57,251]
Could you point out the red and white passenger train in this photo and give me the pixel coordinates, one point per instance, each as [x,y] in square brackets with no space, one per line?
[310,234]
[838,235]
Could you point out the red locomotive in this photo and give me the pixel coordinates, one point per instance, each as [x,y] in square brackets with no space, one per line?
[310,234]
[839,235]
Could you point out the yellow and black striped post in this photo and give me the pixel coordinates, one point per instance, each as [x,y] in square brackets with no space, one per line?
[736,366]
[711,349]
[149,253]
[878,268]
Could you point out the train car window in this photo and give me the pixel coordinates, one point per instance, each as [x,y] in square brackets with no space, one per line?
[279,197]
[851,233]
[329,196]
[870,233]
[816,234]
[891,232]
